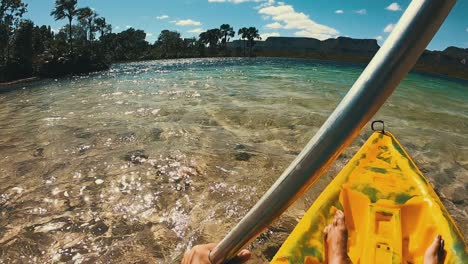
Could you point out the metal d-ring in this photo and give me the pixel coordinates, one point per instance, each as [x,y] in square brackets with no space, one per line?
[378,121]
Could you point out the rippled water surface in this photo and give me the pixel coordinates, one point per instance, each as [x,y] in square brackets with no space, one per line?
[139,163]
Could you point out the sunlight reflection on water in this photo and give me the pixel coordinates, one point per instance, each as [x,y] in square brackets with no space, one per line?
[145,160]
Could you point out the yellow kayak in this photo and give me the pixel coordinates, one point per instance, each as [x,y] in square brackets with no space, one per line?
[392,212]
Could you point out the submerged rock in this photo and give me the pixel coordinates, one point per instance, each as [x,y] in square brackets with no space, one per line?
[99,228]
[82,149]
[243,156]
[240,147]
[99,181]
[156,134]
[83,135]
[458,196]
[127,137]
[25,167]
[39,152]
[136,156]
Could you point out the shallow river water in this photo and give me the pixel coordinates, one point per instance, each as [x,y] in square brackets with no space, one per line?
[137,164]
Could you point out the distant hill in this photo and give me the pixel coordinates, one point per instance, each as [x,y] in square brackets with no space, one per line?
[452,61]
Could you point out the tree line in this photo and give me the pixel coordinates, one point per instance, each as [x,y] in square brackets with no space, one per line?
[86,43]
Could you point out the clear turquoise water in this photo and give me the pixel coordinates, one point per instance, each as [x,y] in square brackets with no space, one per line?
[216,133]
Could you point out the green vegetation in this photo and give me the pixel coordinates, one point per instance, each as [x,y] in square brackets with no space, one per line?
[28,50]
[66,9]
[250,34]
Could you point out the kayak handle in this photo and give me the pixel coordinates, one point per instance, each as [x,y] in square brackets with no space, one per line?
[378,121]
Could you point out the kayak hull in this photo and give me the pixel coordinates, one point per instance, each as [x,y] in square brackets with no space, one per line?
[391,211]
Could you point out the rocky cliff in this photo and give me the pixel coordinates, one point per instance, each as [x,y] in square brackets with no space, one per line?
[452,61]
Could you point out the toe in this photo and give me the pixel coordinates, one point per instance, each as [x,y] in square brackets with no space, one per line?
[433,248]
[341,220]
[441,249]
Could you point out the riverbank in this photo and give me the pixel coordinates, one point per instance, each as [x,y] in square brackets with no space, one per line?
[20,81]
[13,85]
[420,68]
[451,62]
[434,69]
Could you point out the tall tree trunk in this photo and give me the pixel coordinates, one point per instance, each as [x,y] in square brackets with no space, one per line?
[8,36]
[225,42]
[90,22]
[70,36]
[8,51]
[244,46]
[2,55]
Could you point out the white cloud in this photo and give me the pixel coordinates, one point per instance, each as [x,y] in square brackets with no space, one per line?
[467,29]
[186,22]
[267,3]
[339,11]
[162,17]
[148,35]
[266,17]
[361,11]
[394,7]
[234,1]
[389,28]
[196,30]
[379,38]
[274,25]
[128,26]
[291,19]
[264,36]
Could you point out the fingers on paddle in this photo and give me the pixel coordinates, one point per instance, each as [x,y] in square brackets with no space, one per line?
[241,257]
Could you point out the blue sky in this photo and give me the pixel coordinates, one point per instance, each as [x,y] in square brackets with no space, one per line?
[312,18]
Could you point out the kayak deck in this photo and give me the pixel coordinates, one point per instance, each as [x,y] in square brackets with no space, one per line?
[392,213]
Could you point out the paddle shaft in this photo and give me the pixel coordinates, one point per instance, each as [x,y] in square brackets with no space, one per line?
[396,57]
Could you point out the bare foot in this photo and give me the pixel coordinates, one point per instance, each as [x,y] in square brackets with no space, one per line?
[336,239]
[435,253]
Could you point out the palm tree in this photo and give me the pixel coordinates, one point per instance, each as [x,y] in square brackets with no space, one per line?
[87,16]
[243,33]
[252,35]
[211,38]
[66,9]
[102,26]
[226,31]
